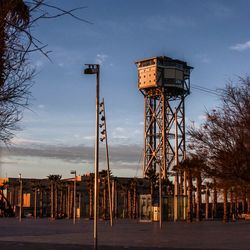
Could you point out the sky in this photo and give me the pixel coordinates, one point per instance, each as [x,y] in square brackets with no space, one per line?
[57,133]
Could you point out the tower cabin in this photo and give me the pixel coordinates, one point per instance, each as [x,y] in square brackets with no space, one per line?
[164,72]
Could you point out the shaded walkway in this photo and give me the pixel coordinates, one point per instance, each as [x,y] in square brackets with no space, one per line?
[127,234]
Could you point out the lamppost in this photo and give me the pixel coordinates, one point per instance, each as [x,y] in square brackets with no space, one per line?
[90,70]
[74,202]
[21,197]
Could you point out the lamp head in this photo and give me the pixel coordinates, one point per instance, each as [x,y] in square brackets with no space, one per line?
[91,69]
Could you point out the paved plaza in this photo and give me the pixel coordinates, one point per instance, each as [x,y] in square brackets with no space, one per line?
[125,234]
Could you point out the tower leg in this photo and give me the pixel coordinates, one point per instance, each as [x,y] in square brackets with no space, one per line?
[176,194]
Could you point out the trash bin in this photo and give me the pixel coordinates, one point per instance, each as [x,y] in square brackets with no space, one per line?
[78,213]
[156,213]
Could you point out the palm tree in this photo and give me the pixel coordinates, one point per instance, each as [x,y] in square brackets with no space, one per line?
[14,13]
[122,191]
[103,186]
[193,167]
[90,186]
[187,165]
[54,181]
[153,177]
[35,186]
[133,186]
[41,188]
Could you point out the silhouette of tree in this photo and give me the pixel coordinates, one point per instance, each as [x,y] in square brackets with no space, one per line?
[223,140]
[153,177]
[54,183]
[194,168]
[90,187]
[17,42]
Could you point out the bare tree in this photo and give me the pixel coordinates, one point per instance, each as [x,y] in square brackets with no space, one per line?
[223,143]
[17,20]
[223,139]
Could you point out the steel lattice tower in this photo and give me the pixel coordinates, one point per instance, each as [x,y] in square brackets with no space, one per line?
[164,82]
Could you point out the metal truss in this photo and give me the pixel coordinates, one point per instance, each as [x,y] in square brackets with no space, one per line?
[164,131]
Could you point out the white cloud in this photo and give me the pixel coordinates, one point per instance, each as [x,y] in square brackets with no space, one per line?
[39,64]
[119,129]
[119,133]
[203,58]
[61,64]
[119,154]
[101,58]
[41,106]
[22,141]
[89,138]
[202,117]
[241,46]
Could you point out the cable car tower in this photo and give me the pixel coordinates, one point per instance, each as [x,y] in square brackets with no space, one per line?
[164,82]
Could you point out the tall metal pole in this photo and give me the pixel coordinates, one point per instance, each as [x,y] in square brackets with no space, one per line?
[176,178]
[35,205]
[68,202]
[21,197]
[160,196]
[162,166]
[74,214]
[95,69]
[107,160]
[96,158]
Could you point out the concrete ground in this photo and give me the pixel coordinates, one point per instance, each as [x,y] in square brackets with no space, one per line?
[125,234]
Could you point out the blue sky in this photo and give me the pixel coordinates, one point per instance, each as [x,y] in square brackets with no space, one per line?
[58,135]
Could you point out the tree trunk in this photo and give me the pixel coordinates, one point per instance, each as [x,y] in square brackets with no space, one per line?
[35,200]
[129,204]
[104,201]
[198,197]
[231,204]
[71,204]
[124,204]
[207,202]
[52,201]
[68,201]
[134,202]
[90,202]
[56,202]
[236,201]
[248,202]
[189,205]
[40,203]
[244,207]
[225,217]
[214,209]
[64,202]
[61,203]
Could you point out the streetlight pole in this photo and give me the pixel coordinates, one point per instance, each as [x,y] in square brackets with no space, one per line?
[74,202]
[95,69]
[105,137]
[21,197]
